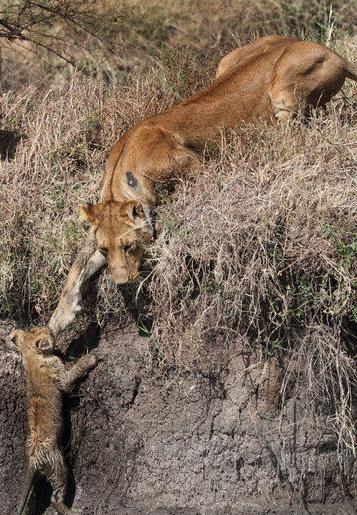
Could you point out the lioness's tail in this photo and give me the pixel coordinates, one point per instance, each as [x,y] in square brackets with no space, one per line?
[351,70]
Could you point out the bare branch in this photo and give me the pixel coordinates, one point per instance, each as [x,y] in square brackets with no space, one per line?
[30,21]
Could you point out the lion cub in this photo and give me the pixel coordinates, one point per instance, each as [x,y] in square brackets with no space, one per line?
[46,379]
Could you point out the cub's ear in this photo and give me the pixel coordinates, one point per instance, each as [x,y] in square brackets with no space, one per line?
[135,210]
[15,335]
[90,212]
[13,339]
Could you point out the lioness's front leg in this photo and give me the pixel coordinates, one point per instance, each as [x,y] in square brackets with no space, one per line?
[89,260]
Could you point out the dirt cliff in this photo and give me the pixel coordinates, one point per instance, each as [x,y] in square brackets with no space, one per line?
[140,439]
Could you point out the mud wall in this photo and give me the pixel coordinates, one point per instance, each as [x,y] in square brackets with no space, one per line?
[142,441]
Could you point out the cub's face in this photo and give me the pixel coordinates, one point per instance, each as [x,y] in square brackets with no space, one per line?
[38,339]
[122,231]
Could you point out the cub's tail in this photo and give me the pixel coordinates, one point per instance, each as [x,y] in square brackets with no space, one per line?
[351,70]
[30,479]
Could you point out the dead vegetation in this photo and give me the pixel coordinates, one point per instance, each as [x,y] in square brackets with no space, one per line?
[267,252]
[259,246]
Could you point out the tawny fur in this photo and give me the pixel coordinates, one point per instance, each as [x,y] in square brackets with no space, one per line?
[46,380]
[267,79]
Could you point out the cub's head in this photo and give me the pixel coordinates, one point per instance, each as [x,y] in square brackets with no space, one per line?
[38,339]
[122,231]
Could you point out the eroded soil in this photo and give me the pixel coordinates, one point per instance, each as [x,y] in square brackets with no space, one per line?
[141,441]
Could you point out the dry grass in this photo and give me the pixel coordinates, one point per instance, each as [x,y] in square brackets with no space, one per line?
[272,238]
[260,245]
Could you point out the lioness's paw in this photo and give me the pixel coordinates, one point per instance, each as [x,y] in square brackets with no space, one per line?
[90,360]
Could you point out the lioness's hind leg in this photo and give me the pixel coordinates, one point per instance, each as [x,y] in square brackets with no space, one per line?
[307,74]
[248,51]
[284,102]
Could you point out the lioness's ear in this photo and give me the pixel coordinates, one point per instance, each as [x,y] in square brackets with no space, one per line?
[89,212]
[135,210]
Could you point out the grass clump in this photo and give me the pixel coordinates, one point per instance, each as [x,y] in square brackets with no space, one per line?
[111,40]
[281,253]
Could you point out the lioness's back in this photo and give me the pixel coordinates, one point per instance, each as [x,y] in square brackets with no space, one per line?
[256,48]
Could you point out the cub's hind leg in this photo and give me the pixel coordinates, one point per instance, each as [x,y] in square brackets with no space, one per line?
[56,473]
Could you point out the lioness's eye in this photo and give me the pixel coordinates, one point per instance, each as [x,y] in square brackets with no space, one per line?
[103,250]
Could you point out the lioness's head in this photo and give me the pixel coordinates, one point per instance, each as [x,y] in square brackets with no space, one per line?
[122,230]
[38,339]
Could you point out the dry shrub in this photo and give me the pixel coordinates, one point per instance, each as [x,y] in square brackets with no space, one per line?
[267,230]
[263,244]
[323,372]
[302,18]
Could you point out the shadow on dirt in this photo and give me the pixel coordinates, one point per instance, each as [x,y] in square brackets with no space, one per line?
[8,143]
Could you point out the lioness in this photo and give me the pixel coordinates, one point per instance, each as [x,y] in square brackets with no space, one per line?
[266,79]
